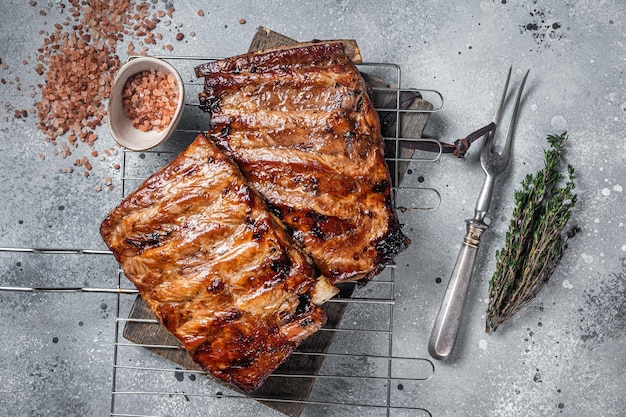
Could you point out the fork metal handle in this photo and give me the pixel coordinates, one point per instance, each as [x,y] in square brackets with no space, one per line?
[484,198]
[446,327]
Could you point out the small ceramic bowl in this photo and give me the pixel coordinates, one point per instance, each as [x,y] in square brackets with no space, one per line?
[120,126]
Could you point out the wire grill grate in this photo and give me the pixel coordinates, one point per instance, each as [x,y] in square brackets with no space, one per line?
[359,374]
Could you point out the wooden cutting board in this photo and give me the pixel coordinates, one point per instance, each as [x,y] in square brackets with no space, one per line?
[294,390]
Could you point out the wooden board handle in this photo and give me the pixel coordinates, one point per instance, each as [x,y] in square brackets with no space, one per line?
[266,38]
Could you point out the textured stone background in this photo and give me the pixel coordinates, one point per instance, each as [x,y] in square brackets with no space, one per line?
[563,355]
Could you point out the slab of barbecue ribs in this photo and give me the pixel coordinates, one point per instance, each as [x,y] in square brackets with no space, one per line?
[300,124]
[216,267]
[236,242]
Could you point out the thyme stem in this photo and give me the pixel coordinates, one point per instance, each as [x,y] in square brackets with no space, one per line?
[535,240]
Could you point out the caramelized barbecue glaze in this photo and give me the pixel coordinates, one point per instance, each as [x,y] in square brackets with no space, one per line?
[216,267]
[299,123]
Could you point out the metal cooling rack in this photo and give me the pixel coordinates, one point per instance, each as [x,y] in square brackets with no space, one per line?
[360,374]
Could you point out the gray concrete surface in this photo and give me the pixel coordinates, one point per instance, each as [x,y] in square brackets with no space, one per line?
[561,356]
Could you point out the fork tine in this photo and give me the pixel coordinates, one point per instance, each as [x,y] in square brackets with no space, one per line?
[506,151]
[496,117]
[488,143]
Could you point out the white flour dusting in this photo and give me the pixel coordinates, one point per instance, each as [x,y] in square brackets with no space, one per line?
[587,258]
[558,122]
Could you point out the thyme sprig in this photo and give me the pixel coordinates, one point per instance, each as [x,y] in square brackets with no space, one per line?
[536,238]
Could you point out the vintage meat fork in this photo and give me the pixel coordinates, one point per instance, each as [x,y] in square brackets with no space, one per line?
[448,319]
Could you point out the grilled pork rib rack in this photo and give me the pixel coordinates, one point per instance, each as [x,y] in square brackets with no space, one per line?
[235,243]
[299,123]
[216,268]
